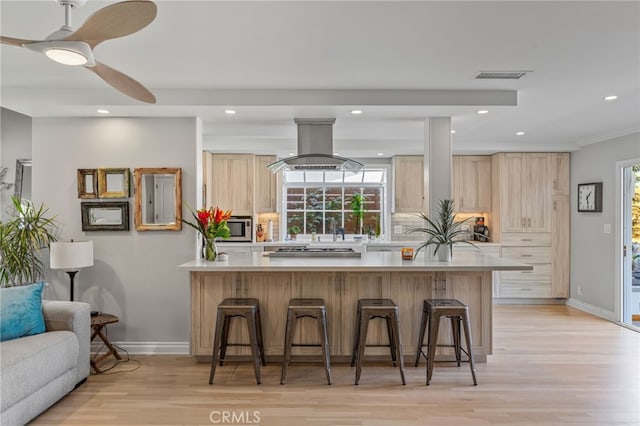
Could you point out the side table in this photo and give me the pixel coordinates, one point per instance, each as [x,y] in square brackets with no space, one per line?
[98,322]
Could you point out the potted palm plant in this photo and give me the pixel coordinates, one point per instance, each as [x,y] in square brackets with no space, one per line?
[358,208]
[443,231]
[28,230]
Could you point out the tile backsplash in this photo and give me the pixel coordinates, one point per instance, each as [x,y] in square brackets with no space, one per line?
[402,222]
[400,225]
[263,219]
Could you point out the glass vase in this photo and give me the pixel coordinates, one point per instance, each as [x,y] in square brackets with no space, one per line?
[209,249]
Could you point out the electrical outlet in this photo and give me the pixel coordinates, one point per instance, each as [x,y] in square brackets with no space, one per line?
[606,229]
[579,290]
[397,229]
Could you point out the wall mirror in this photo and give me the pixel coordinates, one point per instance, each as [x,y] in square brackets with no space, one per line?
[158,199]
[106,216]
[87,183]
[113,183]
[23,179]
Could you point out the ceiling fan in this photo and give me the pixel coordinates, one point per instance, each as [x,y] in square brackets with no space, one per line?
[70,47]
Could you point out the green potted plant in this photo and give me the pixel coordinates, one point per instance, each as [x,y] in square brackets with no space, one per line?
[22,236]
[293,231]
[358,208]
[443,231]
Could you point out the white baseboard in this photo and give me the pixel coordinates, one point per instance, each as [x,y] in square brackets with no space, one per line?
[146,348]
[594,310]
[527,301]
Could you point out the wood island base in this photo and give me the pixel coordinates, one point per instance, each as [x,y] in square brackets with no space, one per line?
[341,291]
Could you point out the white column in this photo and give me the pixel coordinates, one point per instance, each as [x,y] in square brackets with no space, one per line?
[438,164]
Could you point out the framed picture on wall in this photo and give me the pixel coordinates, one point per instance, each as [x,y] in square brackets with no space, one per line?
[113,183]
[105,216]
[87,183]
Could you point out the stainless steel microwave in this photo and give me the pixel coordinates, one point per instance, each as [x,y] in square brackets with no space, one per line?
[241,228]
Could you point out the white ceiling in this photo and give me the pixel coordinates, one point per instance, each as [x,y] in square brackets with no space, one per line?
[272,61]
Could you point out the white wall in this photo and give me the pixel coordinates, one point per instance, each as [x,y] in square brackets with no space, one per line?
[592,251]
[15,142]
[135,274]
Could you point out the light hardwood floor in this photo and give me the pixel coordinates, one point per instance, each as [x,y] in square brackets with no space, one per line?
[552,365]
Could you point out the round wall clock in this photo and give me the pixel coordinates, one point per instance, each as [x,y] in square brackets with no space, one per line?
[590,197]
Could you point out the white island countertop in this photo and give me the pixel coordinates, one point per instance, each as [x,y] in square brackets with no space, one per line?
[370,261]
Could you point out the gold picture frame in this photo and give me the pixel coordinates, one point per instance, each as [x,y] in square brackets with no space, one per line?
[158,199]
[87,183]
[113,183]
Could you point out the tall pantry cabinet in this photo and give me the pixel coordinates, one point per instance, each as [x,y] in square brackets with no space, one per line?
[530,206]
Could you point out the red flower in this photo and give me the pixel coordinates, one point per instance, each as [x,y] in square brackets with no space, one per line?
[203,218]
[221,216]
[211,223]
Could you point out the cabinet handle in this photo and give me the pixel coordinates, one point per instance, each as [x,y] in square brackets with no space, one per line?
[526,272]
[526,255]
[529,223]
[461,202]
[525,239]
[555,206]
[555,184]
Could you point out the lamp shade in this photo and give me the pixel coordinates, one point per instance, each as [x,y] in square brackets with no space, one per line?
[71,254]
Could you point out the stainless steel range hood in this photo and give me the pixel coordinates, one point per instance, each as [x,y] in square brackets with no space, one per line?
[315,149]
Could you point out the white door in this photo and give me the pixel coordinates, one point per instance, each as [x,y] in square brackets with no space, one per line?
[631,246]
[164,194]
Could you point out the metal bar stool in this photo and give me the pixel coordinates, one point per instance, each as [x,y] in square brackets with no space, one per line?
[377,308]
[310,308]
[433,310]
[248,309]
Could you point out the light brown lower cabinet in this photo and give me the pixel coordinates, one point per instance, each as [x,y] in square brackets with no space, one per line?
[341,291]
[533,248]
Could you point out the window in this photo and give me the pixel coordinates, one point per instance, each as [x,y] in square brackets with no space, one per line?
[323,201]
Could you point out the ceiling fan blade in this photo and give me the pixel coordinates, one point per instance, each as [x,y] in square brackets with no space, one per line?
[123,83]
[15,41]
[116,20]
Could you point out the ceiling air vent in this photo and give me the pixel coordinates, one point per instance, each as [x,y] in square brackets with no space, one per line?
[501,75]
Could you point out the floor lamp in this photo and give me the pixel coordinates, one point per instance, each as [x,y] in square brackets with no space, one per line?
[71,256]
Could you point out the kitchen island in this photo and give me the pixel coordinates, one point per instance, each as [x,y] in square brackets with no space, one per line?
[341,282]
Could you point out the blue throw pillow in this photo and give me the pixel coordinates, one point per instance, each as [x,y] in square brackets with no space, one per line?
[21,311]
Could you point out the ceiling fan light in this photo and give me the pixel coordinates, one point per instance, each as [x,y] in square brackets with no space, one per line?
[65,52]
[66,56]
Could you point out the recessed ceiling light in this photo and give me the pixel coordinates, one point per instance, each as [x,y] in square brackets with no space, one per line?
[229,112]
[453,132]
[103,111]
[520,133]
[380,154]
[356,111]
[483,111]
[610,98]
[291,154]
[336,153]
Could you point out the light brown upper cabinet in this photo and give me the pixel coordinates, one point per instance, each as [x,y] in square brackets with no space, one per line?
[559,173]
[408,181]
[229,182]
[266,189]
[472,183]
[525,204]
[158,199]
